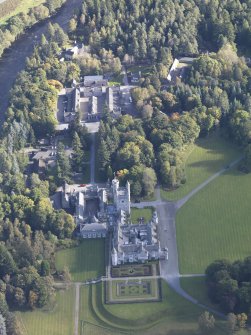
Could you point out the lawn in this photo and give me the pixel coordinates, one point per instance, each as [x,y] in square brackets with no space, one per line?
[59,321]
[85,262]
[215,223]
[146,70]
[196,287]
[23,7]
[173,315]
[205,158]
[137,213]
[116,80]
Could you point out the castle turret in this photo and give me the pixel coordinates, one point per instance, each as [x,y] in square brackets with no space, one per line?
[115,187]
[155,219]
[128,188]
[114,257]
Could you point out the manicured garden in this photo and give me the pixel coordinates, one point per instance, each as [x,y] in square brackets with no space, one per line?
[172,315]
[134,270]
[58,321]
[85,262]
[134,290]
[206,157]
[215,223]
[145,213]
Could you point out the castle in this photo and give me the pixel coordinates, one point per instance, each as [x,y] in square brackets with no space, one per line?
[105,211]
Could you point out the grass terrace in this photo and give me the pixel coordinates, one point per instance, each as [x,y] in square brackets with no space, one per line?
[173,315]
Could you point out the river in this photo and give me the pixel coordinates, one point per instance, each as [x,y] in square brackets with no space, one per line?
[13,61]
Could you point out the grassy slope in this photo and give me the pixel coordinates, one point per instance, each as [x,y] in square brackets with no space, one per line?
[209,155]
[173,315]
[196,287]
[85,261]
[23,7]
[57,322]
[136,213]
[215,223]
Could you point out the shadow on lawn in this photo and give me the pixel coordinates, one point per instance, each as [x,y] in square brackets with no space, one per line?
[209,167]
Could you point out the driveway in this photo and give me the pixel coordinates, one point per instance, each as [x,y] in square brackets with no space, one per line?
[169,269]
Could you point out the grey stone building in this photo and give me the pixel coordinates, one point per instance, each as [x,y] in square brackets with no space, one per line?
[103,211]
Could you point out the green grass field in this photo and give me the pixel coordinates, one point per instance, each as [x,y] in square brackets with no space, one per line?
[196,287]
[173,315]
[204,159]
[146,70]
[59,321]
[137,213]
[85,262]
[215,223]
[23,7]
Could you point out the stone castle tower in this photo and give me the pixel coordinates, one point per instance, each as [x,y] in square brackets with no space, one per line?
[121,196]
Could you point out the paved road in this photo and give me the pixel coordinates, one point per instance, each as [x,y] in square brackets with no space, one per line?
[76,313]
[125,79]
[92,158]
[182,201]
[167,210]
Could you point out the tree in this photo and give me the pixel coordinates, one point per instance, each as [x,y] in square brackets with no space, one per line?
[147,111]
[242,320]
[103,155]
[77,155]
[19,297]
[72,25]
[2,325]
[206,323]
[136,188]
[246,163]
[33,299]
[45,268]
[62,224]
[40,218]
[149,181]
[7,263]
[231,323]
[13,325]
[63,164]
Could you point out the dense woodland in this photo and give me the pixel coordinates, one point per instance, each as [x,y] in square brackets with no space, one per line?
[17,24]
[229,285]
[30,229]
[214,93]
[151,30]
